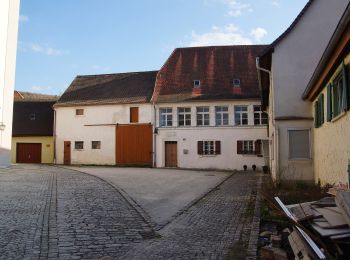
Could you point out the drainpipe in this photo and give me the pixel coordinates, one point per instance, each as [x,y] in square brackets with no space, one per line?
[54,136]
[276,136]
[155,136]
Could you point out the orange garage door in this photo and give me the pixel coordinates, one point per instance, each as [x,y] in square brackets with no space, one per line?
[28,153]
[134,145]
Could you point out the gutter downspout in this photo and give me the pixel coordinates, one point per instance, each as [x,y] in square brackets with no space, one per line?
[276,135]
[54,136]
[155,137]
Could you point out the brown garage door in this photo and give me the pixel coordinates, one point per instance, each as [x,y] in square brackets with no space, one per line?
[134,145]
[28,153]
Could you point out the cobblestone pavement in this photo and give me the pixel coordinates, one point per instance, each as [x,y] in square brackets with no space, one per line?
[53,213]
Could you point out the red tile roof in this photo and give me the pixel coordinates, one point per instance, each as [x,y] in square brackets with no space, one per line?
[216,67]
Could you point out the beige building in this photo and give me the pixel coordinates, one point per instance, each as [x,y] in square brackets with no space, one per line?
[9,16]
[285,68]
[328,90]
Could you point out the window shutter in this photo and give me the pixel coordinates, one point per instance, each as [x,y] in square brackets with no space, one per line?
[239,147]
[258,147]
[217,147]
[321,109]
[200,147]
[346,101]
[316,114]
[329,102]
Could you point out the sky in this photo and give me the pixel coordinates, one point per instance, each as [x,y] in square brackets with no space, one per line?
[60,39]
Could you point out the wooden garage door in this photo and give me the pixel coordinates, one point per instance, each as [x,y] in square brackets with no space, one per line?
[28,153]
[134,145]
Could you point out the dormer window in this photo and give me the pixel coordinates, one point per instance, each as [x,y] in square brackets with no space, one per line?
[236,82]
[196,83]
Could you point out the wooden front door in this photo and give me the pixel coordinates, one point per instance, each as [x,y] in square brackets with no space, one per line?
[170,154]
[66,152]
[134,145]
[28,153]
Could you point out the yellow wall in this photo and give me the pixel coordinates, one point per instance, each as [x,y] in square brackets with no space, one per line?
[47,153]
[332,147]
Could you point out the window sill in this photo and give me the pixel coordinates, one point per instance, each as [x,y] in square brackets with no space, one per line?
[209,155]
[338,116]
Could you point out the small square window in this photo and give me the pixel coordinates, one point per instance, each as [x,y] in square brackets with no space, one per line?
[196,83]
[79,112]
[96,144]
[32,117]
[79,145]
[236,82]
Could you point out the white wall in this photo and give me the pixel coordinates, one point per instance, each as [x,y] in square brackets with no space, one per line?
[9,15]
[187,138]
[70,127]
[293,63]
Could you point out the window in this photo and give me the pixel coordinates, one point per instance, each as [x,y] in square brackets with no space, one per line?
[236,82]
[209,147]
[184,116]
[134,114]
[32,117]
[221,116]
[79,145]
[260,117]
[166,117]
[241,115]
[96,144]
[203,118]
[299,144]
[79,112]
[319,111]
[338,95]
[196,83]
[249,147]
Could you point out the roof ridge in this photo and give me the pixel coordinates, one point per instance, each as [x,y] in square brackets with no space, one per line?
[222,46]
[118,73]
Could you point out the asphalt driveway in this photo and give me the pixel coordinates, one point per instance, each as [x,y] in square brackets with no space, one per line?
[161,193]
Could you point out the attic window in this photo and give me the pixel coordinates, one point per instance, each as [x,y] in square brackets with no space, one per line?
[236,82]
[32,116]
[196,83]
[79,112]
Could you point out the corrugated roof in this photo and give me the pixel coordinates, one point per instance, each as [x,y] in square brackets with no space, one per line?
[216,67]
[133,87]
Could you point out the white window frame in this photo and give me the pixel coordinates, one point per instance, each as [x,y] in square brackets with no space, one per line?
[211,148]
[260,114]
[240,114]
[166,112]
[184,114]
[221,111]
[310,148]
[249,144]
[202,114]
[196,83]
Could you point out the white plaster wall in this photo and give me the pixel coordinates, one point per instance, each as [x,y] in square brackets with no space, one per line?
[296,57]
[187,138]
[70,127]
[9,15]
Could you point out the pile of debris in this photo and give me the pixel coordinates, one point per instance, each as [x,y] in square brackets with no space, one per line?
[319,229]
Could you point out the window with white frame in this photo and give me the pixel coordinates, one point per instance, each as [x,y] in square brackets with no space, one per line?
[299,144]
[184,116]
[196,83]
[209,147]
[248,147]
[241,115]
[221,116]
[165,117]
[203,117]
[260,117]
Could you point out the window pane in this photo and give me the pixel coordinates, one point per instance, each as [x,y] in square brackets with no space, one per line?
[299,144]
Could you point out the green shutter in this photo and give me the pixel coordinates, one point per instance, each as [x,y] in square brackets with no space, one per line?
[321,101]
[329,102]
[335,96]
[316,114]
[346,101]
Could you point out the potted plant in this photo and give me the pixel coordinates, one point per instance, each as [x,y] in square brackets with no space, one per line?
[245,167]
[265,169]
[254,167]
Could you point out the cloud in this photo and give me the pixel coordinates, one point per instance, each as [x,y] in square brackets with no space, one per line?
[49,51]
[23,18]
[236,8]
[228,35]
[275,3]
[258,33]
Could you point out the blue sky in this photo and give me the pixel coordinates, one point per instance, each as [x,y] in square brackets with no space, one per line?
[64,38]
